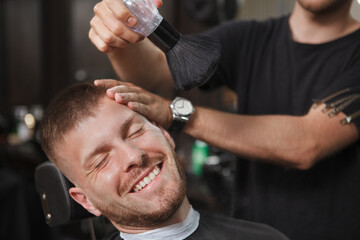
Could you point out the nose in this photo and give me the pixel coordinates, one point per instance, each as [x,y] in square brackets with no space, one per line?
[130,157]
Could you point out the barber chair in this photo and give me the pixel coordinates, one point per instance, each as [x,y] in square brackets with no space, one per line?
[58,206]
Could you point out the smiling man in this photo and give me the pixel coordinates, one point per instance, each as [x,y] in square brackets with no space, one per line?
[125,168]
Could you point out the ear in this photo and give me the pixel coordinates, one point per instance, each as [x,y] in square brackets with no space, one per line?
[78,195]
[166,134]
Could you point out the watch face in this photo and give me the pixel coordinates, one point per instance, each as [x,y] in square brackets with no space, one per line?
[183,107]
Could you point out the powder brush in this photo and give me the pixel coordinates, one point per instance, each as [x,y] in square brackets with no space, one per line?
[192,59]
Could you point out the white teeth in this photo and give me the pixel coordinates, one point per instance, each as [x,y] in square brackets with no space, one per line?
[147,179]
[152,176]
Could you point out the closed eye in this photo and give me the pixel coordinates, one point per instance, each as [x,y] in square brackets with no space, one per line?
[102,162]
[137,132]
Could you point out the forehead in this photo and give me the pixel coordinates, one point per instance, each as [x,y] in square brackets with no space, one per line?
[111,109]
[107,117]
[107,121]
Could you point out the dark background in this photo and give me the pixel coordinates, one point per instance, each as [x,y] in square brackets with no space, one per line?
[44,47]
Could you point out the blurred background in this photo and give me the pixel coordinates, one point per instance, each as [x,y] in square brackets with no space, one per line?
[44,47]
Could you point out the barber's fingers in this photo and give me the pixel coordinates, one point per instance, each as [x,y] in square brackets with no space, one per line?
[157,109]
[125,87]
[151,112]
[109,31]
[109,83]
[158,3]
[99,43]
[108,38]
[127,97]
[127,92]
[141,108]
[120,11]
[120,83]
[138,99]
[112,84]
[118,24]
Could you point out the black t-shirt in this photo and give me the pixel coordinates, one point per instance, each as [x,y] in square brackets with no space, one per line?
[272,74]
[215,227]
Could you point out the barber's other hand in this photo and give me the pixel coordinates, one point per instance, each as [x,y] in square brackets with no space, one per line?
[138,99]
[109,28]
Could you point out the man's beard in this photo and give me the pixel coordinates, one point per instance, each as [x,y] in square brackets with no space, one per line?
[326,7]
[171,200]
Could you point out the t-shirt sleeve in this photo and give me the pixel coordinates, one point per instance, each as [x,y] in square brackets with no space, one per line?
[344,94]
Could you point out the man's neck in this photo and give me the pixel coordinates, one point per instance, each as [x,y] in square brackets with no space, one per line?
[311,28]
[179,216]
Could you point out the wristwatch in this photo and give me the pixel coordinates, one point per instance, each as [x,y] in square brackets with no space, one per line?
[181,109]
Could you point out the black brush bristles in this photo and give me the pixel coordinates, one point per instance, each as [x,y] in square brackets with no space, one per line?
[193,60]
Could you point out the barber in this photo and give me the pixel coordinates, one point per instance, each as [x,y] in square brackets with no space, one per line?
[297,82]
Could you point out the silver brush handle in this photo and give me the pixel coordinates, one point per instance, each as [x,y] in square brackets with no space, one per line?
[148,17]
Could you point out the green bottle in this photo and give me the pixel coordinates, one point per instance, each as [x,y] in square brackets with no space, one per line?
[200,153]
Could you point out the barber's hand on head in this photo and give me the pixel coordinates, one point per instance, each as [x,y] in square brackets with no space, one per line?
[138,99]
[109,28]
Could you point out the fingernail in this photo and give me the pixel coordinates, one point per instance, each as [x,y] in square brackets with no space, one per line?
[131,21]
[117,97]
[159,3]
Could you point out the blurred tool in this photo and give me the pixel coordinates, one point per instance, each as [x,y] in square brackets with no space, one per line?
[192,59]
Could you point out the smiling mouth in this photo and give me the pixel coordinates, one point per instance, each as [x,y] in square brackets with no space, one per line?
[147,180]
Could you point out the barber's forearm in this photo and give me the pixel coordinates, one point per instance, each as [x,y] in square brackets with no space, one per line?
[296,142]
[142,64]
[246,136]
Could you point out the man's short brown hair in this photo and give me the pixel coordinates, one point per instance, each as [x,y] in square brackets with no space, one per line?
[69,108]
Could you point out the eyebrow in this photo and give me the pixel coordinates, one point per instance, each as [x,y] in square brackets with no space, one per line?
[121,129]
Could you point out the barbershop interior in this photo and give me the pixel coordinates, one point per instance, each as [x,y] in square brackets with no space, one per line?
[45,48]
